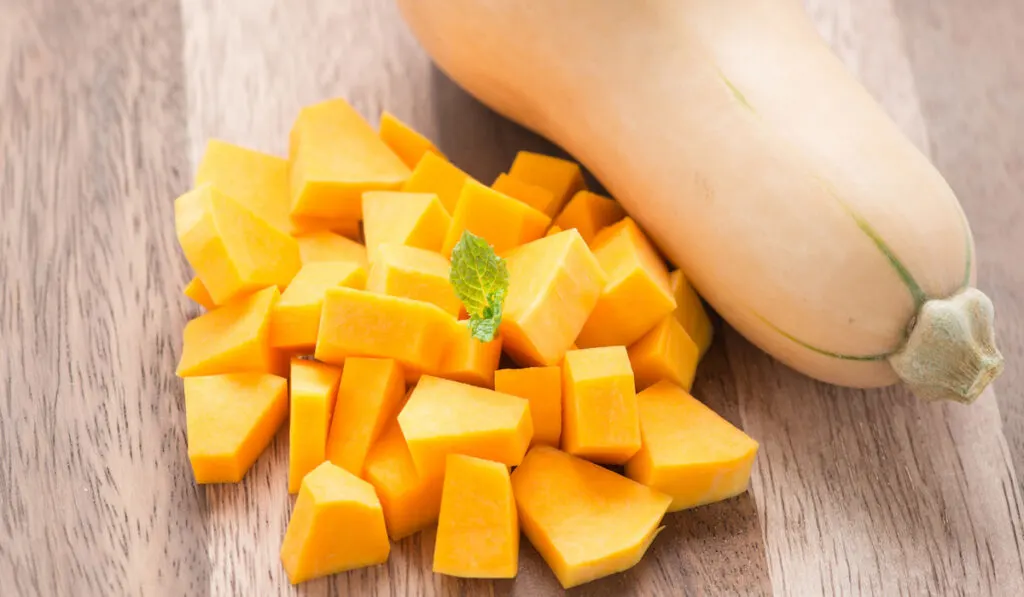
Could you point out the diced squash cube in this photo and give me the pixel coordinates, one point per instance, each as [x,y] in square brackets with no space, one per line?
[360,323]
[554,284]
[335,156]
[407,144]
[329,246]
[478,529]
[295,320]
[562,177]
[599,418]
[689,452]
[337,524]
[445,417]
[637,295]
[230,419]
[555,229]
[198,293]
[589,213]
[434,174]
[471,361]
[413,273]
[257,180]
[536,197]
[412,219]
[233,251]
[585,521]
[664,353]
[370,393]
[232,339]
[501,220]
[305,225]
[690,312]
[411,501]
[314,389]
[542,386]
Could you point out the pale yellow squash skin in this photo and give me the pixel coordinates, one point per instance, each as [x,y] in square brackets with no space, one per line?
[730,131]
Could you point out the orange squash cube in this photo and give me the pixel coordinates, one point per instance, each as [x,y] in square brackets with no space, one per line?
[471,361]
[329,246]
[411,501]
[407,144]
[314,389]
[434,174]
[689,452]
[232,250]
[335,157]
[445,417]
[637,295]
[412,219]
[333,503]
[536,197]
[257,180]
[478,529]
[230,419]
[198,293]
[664,353]
[295,319]
[599,418]
[413,273]
[304,225]
[502,221]
[369,396]
[554,284]
[562,177]
[232,339]
[542,386]
[690,312]
[589,213]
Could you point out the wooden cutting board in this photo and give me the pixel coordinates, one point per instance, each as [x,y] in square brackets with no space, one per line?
[105,106]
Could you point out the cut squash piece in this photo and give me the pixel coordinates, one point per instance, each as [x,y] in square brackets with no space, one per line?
[232,339]
[232,250]
[406,142]
[230,419]
[304,225]
[369,396]
[536,197]
[411,501]
[562,177]
[413,273]
[314,388]
[335,157]
[664,353]
[600,418]
[637,295]
[502,221]
[329,246]
[412,219]
[689,452]
[337,524]
[198,293]
[478,529]
[542,386]
[445,417]
[257,180]
[690,312]
[554,284]
[585,521]
[589,213]
[295,320]
[553,230]
[471,361]
[360,323]
[434,174]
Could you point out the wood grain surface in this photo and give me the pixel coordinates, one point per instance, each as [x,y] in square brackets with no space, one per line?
[105,107]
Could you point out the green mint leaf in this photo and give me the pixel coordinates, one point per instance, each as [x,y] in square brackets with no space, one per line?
[480,280]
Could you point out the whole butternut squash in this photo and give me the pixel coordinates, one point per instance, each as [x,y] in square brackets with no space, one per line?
[761,167]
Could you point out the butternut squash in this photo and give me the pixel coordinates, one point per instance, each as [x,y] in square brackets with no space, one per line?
[314,390]
[542,386]
[600,421]
[368,397]
[757,163]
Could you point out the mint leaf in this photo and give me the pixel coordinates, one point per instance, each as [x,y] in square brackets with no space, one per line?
[480,280]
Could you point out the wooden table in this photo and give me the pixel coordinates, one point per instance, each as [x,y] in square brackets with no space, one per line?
[105,106]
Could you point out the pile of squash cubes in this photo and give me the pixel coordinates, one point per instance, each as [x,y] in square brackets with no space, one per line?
[325,278]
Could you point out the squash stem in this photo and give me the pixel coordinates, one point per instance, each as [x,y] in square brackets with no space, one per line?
[950,352]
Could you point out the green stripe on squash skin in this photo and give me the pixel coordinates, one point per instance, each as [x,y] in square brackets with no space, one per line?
[822,351]
[736,93]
